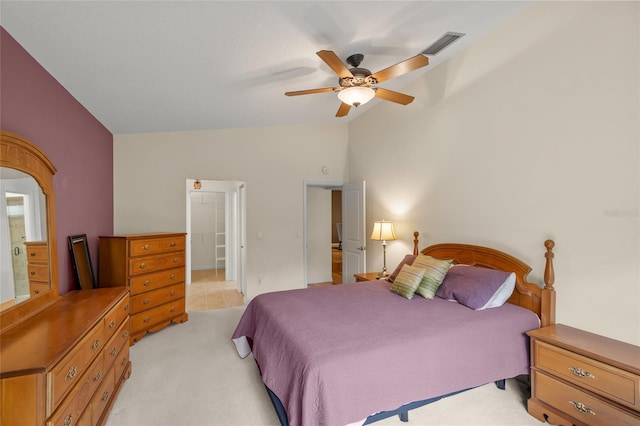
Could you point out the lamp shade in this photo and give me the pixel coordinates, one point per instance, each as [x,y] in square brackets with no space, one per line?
[383,231]
[356,96]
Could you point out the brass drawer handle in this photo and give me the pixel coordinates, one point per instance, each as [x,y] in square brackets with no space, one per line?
[142,265]
[126,307]
[146,301]
[33,253]
[147,319]
[581,373]
[36,291]
[112,324]
[71,373]
[146,247]
[172,276]
[172,244]
[96,345]
[172,293]
[176,260]
[582,408]
[33,272]
[125,334]
[146,284]
[124,361]
[105,395]
[98,376]
[114,351]
[67,420]
[173,309]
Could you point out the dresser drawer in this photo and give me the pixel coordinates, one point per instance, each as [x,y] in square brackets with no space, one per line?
[155,298]
[115,317]
[155,246]
[71,369]
[580,404]
[35,288]
[144,283]
[147,319]
[37,252]
[603,379]
[38,272]
[121,363]
[145,265]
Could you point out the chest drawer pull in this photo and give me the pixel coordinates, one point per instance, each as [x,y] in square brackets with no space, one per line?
[112,324]
[97,376]
[173,309]
[146,301]
[125,334]
[95,345]
[176,260]
[67,420]
[172,276]
[147,319]
[105,395]
[114,351]
[146,247]
[582,408]
[172,244]
[581,373]
[71,373]
[142,265]
[172,293]
[146,284]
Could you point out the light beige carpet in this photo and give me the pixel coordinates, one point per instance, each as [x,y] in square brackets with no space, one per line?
[190,375]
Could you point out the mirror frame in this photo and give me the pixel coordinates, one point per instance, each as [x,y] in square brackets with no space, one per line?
[81,261]
[18,153]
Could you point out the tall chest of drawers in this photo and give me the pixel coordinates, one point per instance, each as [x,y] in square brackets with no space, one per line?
[580,378]
[66,364]
[152,266]
[37,266]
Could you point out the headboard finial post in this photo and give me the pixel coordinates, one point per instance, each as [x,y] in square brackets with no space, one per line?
[415,243]
[549,275]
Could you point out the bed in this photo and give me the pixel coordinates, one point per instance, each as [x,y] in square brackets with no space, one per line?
[358,353]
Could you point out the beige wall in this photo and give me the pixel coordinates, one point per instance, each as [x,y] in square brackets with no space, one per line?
[531,133]
[151,170]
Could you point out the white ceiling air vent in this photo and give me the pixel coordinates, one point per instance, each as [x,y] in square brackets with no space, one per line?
[441,43]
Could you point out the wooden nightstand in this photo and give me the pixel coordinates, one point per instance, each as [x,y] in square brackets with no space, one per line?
[367,276]
[580,378]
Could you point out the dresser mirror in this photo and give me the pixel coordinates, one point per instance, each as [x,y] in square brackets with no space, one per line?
[28,258]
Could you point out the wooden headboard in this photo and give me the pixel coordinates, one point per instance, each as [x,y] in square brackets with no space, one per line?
[541,301]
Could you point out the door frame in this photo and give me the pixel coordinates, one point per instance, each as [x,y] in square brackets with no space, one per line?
[235,221]
[328,185]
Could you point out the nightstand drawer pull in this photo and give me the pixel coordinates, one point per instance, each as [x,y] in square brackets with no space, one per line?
[581,373]
[582,408]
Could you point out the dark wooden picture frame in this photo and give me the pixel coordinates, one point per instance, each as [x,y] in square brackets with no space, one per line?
[81,260]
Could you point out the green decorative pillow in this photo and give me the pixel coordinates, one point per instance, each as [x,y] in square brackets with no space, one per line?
[407,281]
[435,271]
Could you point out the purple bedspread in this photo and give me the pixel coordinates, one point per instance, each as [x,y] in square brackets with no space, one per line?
[336,355]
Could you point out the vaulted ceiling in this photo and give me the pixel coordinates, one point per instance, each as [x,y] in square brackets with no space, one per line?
[159,66]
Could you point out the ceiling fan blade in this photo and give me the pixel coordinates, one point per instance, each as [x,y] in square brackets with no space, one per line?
[310,91]
[390,95]
[400,68]
[331,59]
[343,110]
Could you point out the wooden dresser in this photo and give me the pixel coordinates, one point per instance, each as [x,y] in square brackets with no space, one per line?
[66,364]
[580,378]
[152,266]
[37,266]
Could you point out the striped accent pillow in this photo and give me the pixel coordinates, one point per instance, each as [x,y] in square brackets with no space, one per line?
[407,281]
[435,271]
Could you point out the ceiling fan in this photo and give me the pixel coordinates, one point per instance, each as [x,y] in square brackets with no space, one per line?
[358,85]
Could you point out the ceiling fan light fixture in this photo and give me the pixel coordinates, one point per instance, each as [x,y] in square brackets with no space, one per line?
[356,96]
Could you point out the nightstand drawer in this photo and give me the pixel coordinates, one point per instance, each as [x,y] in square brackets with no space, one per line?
[603,379]
[578,404]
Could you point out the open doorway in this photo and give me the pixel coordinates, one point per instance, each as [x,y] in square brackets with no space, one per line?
[215,244]
[334,245]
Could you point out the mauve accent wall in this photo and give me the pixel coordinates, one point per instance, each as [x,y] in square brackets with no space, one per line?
[35,106]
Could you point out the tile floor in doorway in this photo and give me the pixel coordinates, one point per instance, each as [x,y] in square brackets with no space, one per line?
[209,290]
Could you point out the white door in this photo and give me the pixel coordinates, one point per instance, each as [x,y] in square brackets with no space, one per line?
[353,230]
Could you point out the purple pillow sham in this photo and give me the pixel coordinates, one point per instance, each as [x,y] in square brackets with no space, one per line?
[477,288]
[408,260]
